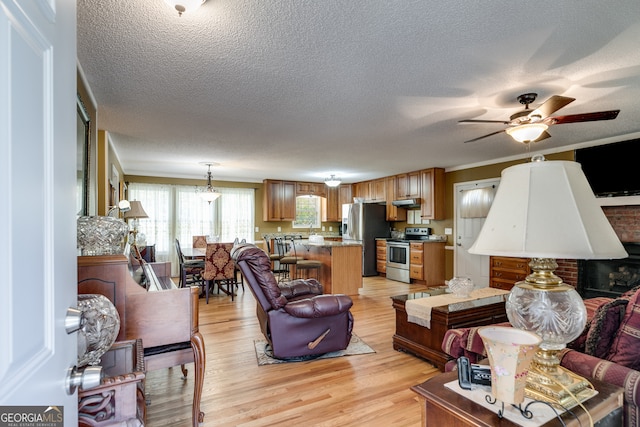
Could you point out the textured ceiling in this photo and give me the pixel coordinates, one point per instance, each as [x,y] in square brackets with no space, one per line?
[359,88]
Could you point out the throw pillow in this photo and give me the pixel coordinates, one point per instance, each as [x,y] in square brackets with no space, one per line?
[603,328]
[626,344]
[592,305]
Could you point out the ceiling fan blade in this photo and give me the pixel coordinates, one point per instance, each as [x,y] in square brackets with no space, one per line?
[551,105]
[484,136]
[483,121]
[542,136]
[586,117]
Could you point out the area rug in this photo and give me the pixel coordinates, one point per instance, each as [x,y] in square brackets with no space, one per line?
[264,353]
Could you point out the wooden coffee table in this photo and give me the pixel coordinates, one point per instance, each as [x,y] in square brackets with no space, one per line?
[427,342]
[444,407]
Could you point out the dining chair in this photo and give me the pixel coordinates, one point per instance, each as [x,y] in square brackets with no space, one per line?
[199,242]
[190,269]
[219,269]
[237,271]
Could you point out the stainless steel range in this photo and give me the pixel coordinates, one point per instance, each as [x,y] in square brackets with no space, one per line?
[398,253]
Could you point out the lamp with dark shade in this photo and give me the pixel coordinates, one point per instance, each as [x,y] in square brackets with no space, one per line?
[135,212]
[545,210]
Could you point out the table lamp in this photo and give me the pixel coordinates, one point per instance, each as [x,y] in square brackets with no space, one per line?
[135,213]
[545,210]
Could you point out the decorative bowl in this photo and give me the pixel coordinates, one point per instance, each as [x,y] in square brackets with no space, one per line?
[101,235]
[461,287]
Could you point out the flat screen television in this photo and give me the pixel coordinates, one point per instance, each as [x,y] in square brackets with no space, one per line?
[612,169]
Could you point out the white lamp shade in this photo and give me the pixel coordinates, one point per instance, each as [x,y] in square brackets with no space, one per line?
[546,209]
[209,194]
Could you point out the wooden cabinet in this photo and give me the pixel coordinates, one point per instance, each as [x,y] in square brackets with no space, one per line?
[416,261]
[506,271]
[408,185]
[279,202]
[345,194]
[426,263]
[331,207]
[311,189]
[381,256]
[394,213]
[119,399]
[362,189]
[379,190]
[432,190]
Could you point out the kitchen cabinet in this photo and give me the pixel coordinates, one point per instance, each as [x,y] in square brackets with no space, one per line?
[394,213]
[432,193]
[279,201]
[426,263]
[408,186]
[414,217]
[381,256]
[311,189]
[379,190]
[331,207]
[416,260]
[504,272]
[362,190]
[345,195]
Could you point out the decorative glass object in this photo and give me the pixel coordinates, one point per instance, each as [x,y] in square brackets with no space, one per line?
[510,352]
[100,327]
[101,235]
[461,287]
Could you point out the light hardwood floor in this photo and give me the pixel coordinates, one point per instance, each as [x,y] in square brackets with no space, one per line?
[362,390]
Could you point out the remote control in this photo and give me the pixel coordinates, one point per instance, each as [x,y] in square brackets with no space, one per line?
[464,373]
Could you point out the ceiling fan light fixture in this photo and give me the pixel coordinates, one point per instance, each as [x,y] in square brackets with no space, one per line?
[185,5]
[332,181]
[526,133]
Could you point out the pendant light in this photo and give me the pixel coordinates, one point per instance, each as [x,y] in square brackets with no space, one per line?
[209,193]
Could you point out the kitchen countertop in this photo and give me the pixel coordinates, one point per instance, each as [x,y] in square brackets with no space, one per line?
[417,241]
[328,243]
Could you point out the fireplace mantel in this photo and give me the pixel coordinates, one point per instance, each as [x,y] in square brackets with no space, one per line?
[619,201]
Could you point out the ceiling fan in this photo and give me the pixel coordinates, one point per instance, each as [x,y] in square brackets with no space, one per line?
[531,125]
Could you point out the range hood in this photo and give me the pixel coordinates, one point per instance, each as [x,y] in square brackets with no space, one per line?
[407,203]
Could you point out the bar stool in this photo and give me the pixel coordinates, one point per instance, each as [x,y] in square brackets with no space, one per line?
[305,265]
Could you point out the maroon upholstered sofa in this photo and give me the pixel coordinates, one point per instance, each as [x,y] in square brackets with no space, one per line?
[608,349]
[295,317]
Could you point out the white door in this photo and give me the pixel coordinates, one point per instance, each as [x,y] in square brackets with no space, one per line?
[37,189]
[466,230]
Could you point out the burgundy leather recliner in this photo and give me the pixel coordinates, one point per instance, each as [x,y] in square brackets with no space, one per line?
[295,317]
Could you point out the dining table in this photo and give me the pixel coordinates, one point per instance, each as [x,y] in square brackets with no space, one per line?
[194,253]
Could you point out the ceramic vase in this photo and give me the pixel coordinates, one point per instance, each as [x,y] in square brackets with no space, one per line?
[510,352]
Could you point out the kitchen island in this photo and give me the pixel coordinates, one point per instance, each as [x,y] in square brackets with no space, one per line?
[341,271]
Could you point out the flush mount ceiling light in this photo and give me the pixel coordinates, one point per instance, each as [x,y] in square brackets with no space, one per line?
[526,133]
[185,5]
[209,193]
[333,181]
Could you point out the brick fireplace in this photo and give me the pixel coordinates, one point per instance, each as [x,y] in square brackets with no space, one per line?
[608,277]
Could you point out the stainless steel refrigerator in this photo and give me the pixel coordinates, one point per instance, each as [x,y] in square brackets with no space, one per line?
[363,222]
